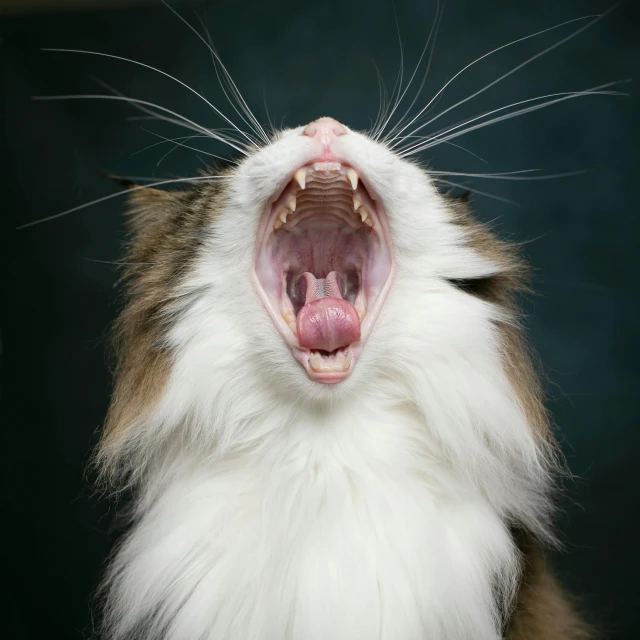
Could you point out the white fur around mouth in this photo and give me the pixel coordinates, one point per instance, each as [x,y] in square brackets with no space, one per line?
[326,224]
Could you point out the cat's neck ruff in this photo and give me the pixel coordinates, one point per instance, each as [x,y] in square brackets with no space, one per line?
[355,527]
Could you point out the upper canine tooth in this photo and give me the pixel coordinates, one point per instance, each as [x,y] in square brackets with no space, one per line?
[301,177]
[352,176]
[356,202]
[292,204]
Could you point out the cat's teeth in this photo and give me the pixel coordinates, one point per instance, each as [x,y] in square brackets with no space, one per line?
[301,177]
[277,224]
[352,176]
[283,216]
[290,319]
[364,217]
[292,204]
[356,202]
[339,361]
[359,306]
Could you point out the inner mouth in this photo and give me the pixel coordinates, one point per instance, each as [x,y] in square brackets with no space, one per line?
[323,266]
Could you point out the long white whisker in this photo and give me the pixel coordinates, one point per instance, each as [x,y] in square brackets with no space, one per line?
[432,34]
[510,175]
[481,193]
[396,87]
[436,139]
[164,141]
[260,130]
[266,110]
[383,97]
[146,66]
[504,46]
[475,155]
[181,121]
[118,194]
[225,84]
[177,143]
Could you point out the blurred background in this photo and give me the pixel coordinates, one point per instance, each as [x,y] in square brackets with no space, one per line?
[300,61]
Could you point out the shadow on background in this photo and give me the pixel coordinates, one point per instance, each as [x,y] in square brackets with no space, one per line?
[304,60]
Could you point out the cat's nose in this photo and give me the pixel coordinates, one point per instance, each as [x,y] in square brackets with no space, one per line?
[324,129]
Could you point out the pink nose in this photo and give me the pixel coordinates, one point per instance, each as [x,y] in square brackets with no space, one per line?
[324,129]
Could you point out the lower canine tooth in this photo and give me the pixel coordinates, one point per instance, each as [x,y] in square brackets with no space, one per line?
[352,176]
[301,177]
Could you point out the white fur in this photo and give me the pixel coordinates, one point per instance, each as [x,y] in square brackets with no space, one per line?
[272,508]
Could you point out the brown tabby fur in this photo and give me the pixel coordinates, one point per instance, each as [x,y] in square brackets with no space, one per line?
[542,611]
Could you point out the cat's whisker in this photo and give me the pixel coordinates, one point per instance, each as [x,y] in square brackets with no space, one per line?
[119,194]
[432,34]
[177,143]
[219,133]
[256,124]
[396,87]
[511,175]
[447,134]
[398,134]
[164,73]
[146,106]
[165,140]
[458,146]
[227,86]
[115,262]
[480,193]
[379,115]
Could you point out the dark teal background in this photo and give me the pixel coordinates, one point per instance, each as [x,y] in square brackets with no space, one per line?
[306,60]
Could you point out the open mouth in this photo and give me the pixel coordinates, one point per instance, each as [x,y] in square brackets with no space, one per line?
[323,267]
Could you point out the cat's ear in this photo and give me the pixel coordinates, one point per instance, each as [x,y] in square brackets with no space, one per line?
[140,193]
[147,206]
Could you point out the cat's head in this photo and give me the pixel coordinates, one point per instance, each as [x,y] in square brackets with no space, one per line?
[321,269]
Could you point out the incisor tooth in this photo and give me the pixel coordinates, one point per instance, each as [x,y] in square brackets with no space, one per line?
[356,202]
[301,177]
[352,176]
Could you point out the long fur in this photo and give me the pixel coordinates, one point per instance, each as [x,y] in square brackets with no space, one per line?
[268,507]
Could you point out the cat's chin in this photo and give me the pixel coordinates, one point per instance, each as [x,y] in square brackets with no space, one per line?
[323,266]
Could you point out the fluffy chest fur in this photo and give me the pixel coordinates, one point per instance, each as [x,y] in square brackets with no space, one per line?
[352,527]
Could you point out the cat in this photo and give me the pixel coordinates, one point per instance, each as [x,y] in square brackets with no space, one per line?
[324,405]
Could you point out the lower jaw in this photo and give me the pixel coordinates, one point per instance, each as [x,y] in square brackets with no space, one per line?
[322,370]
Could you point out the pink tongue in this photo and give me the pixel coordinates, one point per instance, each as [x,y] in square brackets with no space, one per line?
[326,323]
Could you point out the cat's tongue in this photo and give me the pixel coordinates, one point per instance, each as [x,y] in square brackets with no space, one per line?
[326,321]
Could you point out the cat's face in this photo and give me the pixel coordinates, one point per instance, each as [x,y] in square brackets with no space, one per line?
[320,227]
[241,301]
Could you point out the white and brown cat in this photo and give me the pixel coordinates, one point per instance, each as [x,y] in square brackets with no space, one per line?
[326,411]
